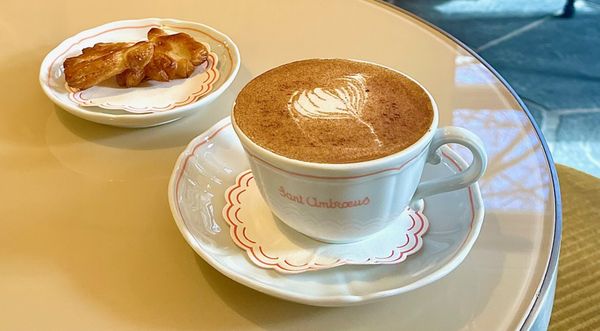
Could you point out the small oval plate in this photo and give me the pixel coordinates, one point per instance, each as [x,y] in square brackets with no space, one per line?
[151,103]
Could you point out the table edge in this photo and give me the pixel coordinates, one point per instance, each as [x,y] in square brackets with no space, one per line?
[528,320]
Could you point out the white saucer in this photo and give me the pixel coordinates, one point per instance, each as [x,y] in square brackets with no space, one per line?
[210,164]
[187,98]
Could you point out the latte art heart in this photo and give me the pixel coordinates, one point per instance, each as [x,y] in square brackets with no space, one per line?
[344,101]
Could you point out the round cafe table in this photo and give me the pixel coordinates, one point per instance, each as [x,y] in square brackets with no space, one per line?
[87,240]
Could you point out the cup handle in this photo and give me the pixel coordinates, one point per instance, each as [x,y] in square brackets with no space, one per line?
[448,135]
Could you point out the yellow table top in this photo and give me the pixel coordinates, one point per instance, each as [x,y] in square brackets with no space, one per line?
[87,240]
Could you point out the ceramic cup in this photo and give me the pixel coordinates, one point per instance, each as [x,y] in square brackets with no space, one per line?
[341,203]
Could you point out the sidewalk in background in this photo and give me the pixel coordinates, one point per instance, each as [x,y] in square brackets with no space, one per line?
[552,63]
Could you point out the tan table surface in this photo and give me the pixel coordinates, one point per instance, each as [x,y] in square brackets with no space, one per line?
[87,241]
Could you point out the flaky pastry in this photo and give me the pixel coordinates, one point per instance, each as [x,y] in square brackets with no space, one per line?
[175,56]
[163,57]
[105,60]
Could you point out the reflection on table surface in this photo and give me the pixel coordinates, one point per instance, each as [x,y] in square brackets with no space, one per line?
[513,180]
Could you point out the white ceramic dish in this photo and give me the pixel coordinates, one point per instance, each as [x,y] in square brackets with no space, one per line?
[210,164]
[53,83]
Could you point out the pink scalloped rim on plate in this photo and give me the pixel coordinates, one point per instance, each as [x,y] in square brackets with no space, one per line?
[262,253]
[206,75]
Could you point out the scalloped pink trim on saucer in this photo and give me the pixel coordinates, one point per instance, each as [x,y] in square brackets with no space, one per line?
[259,253]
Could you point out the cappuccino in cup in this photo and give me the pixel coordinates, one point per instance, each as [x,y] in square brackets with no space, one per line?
[333,111]
[337,147]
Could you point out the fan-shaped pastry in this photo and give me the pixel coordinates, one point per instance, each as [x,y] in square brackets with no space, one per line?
[175,55]
[105,60]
